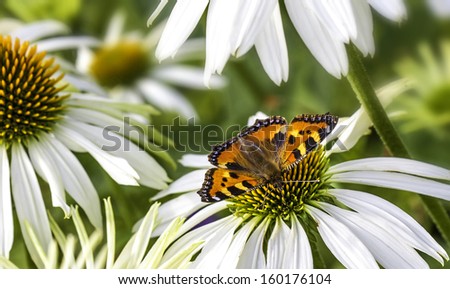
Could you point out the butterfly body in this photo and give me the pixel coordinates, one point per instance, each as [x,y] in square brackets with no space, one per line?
[260,154]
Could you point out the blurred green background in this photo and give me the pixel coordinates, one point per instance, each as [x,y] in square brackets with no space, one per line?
[410,49]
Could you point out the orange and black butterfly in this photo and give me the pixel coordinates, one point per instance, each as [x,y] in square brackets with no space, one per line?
[260,154]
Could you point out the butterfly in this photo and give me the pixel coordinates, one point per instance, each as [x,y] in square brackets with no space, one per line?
[260,153]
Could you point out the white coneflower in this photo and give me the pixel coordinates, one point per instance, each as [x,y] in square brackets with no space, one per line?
[234,27]
[273,229]
[123,64]
[136,253]
[42,125]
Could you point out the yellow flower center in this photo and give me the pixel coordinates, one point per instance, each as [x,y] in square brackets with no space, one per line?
[120,64]
[29,100]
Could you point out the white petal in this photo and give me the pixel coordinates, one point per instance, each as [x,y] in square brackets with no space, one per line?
[84,59]
[6,215]
[363,17]
[187,76]
[202,215]
[389,251]
[159,8]
[297,254]
[251,17]
[353,128]
[75,179]
[195,161]
[440,8]
[392,9]
[47,169]
[7,25]
[231,257]
[395,181]
[405,166]
[189,182]
[39,30]
[166,98]
[393,218]
[182,21]
[277,244]
[150,172]
[115,28]
[215,249]
[28,200]
[257,116]
[84,84]
[344,245]
[69,42]
[330,52]
[182,206]
[201,234]
[271,47]
[253,254]
[337,17]
[219,28]
[118,168]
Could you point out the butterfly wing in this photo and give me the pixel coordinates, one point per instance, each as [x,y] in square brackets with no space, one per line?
[222,183]
[304,134]
[255,150]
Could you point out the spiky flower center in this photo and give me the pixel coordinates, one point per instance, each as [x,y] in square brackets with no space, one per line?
[120,64]
[298,185]
[29,100]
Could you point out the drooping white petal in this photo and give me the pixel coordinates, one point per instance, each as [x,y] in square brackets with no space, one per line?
[166,98]
[84,59]
[393,164]
[297,254]
[159,8]
[28,200]
[189,182]
[7,25]
[231,257]
[271,48]
[342,242]
[47,169]
[338,17]
[219,28]
[201,234]
[363,17]
[394,10]
[6,216]
[440,8]
[75,179]
[251,17]
[40,29]
[69,42]
[115,28]
[353,128]
[388,250]
[395,181]
[187,76]
[392,218]
[329,51]
[182,21]
[84,84]
[149,171]
[118,168]
[277,244]
[215,249]
[253,254]
[183,206]
[202,215]
[195,161]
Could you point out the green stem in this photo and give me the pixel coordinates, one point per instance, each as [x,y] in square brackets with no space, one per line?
[361,85]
